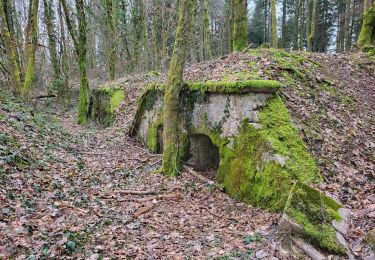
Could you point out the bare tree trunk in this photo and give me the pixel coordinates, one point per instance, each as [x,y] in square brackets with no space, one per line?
[302,29]
[348,36]
[311,24]
[274,24]
[296,24]
[283,26]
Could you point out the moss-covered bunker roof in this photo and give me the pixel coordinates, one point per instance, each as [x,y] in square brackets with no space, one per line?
[245,86]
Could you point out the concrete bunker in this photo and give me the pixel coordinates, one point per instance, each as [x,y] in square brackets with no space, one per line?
[262,158]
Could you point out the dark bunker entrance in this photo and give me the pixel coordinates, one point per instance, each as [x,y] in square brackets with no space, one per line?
[203,154]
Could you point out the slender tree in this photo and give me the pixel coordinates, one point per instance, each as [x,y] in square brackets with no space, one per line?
[206,30]
[274,24]
[171,135]
[348,35]
[80,44]
[64,95]
[49,20]
[283,26]
[296,24]
[139,30]
[111,27]
[311,24]
[228,17]
[240,24]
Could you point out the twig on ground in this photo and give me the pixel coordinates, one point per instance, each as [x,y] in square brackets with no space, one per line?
[136,192]
[173,196]
[211,213]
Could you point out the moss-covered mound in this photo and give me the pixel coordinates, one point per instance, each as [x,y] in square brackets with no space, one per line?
[271,168]
[264,163]
[103,103]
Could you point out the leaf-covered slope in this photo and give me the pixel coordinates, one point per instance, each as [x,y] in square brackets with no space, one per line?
[29,140]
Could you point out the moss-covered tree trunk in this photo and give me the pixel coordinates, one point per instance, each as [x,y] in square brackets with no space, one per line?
[367,36]
[274,24]
[206,30]
[65,92]
[49,20]
[228,16]
[21,79]
[9,43]
[111,24]
[138,22]
[240,24]
[171,135]
[31,45]
[82,59]
[80,43]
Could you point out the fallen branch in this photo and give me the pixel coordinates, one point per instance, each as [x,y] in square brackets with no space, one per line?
[136,192]
[143,210]
[173,196]
[309,250]
[211,213]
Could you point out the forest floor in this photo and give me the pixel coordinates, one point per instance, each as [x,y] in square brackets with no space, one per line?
[67,191]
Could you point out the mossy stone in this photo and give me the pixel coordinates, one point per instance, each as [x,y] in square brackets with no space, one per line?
[103,103]
[370,238]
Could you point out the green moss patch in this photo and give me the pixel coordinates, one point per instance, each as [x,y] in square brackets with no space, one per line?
[103,103]
[267,86]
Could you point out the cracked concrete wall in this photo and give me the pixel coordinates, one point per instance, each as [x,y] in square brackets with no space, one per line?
[223,111]
[227,111]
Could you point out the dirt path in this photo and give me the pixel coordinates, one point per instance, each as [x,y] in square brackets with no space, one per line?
[198,221]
